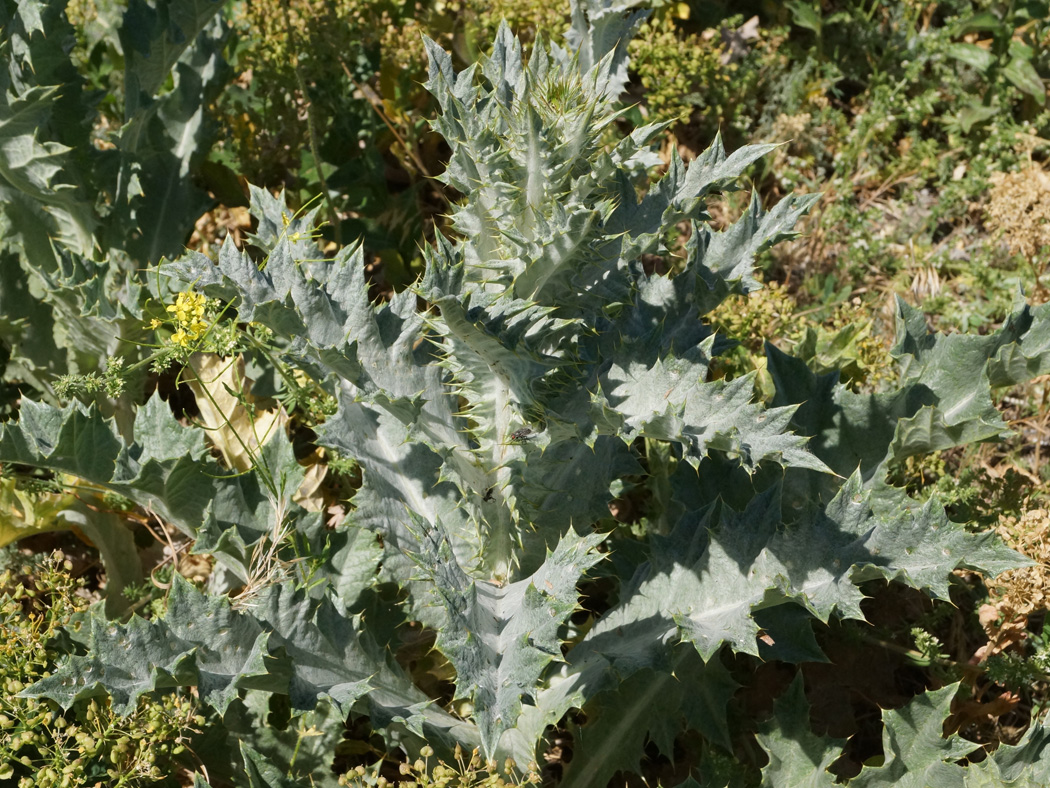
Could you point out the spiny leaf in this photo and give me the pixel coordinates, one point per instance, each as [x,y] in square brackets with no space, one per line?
[671,401]
[329,655]
[652,704]
[956,369]
[917,754]
[1025,765]
[944,398]
[703,584]
[75,440]
[500,639]
[728,256]
[201,642]
[353,562]
[301,752]
[402,481]
[287,644]
[166,472]
[598,38]
[154,37]
[797,757]
[165,137]
[262,773]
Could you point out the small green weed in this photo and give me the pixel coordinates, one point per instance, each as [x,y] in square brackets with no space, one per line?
[837,342]
[464,773]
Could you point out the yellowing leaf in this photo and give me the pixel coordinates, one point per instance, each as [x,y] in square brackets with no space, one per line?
[237,423]
[24,514]
[309,495]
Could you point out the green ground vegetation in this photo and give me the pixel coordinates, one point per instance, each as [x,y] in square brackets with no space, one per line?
[920,129]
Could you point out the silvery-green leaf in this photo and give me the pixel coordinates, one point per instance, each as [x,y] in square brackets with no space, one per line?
[201,642]
[500,638]
[917,754]
[798,758]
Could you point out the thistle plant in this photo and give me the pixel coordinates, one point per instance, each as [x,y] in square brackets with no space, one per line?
[495,410]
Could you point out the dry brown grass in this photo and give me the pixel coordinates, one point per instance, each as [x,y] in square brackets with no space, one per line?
[1019,209]
[1016,595]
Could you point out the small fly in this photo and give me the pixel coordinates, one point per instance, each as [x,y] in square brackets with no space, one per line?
[521,436]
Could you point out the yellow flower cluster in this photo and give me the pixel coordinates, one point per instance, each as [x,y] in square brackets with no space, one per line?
[188,311]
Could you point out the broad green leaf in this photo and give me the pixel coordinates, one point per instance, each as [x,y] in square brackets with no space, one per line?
[325,658]
[729,256]
[653,705]
[972,55]
[31,167]
[165,139]
[798,758]
[285,643]
[706,689]
[201,642]
[1026,765]
[229,513]
[615,740]
[787,634]
[1024,352]
[353,561]
[302,751]
[704,583]
[943,400]
[1022,74]
[261,772]
[326,654]
[75,440]
[154,36]
[915,751]
[27,327]
[917,754]
[402,480]
[159,437]
[984,20]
